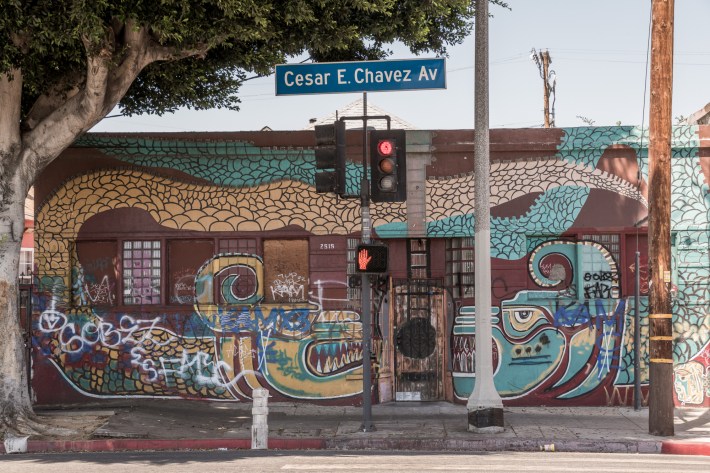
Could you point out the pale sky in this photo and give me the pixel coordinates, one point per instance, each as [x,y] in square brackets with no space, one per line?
[598,50]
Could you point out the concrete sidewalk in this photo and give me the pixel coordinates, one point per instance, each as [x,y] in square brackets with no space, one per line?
[430,426]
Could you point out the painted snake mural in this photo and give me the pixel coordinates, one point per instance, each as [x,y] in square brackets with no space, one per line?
[563,324]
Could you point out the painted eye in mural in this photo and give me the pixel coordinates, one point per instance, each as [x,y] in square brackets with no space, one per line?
[520,321]
[236,284]
[557,271]
[522,316]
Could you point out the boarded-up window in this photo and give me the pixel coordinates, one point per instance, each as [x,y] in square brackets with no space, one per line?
[185,257]
[286,270]
[95,275]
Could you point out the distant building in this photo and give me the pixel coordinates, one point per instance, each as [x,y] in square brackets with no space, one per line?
[356,109]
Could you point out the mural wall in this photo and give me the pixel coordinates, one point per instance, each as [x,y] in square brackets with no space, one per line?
[205,267]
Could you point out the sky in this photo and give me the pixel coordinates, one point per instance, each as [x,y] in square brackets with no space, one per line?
[599,55]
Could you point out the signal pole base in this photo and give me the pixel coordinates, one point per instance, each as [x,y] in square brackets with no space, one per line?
[486,420]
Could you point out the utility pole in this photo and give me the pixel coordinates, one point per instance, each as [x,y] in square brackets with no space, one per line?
[543,61]
[485,407]
[660,417]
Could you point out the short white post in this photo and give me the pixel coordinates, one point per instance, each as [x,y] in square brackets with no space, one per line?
[260,414]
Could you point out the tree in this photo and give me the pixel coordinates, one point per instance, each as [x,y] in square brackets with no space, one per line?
[65,64]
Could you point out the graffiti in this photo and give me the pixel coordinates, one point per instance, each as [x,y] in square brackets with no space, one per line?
[101,293]
[601,285]
[98,265]
[562,322]
[288,285]
[294,322]
[76,338]
[183,288]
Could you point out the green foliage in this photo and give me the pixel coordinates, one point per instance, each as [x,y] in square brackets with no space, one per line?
[46,39]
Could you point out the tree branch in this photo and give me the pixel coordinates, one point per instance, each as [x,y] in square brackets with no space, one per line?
[11,100]
[61,127]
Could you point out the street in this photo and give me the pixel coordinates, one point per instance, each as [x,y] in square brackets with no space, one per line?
[350,461]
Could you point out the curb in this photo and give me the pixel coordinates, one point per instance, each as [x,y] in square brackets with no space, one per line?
[676,447]
[113,445]
[673,447]
[497,445]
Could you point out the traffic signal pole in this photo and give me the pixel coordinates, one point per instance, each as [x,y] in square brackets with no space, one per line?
[339,186]
[365,308]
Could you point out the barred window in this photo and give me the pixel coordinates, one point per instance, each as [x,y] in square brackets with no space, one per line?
[460,267]
[418,253]
[238,245]
[141,272]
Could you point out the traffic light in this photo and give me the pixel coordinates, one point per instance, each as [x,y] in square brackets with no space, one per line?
[330,158]
[388,162]
[371,258]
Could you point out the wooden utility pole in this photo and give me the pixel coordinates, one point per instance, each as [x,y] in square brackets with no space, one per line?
[543,61]
[545,55]
[660,417]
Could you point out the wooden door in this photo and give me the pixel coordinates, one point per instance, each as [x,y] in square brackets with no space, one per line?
[419,322]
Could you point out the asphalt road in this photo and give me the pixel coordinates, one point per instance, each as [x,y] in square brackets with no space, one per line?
[348,461]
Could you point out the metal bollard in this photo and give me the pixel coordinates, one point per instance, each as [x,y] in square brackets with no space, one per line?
[260,414]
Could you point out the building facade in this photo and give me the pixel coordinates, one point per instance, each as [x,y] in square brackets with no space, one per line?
[205,265]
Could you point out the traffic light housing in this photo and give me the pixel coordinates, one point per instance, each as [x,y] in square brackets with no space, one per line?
[330,158]
[388,166]
[371,258]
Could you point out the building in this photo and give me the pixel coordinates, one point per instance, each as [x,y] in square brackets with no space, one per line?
[205,265]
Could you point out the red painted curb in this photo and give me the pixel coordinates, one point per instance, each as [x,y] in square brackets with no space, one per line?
[675,447]
[111,445]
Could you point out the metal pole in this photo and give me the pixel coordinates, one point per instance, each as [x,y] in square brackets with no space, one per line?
[637,334]
[367,425]
[485,407]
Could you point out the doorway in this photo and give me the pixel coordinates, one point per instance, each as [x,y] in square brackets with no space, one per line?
[419,339]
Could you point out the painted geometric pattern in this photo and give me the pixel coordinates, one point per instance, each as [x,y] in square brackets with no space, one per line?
[226,163]
[187,206]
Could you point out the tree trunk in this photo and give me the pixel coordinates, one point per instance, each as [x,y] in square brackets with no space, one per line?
[15,403]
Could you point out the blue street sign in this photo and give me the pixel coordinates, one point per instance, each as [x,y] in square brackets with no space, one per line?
[360,76]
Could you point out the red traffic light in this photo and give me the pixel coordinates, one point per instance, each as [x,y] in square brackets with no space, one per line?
[385,147]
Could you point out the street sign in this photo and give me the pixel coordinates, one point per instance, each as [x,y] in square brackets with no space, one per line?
[360,76]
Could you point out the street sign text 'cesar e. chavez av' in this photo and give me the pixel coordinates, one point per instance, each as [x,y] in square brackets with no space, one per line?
[360,76]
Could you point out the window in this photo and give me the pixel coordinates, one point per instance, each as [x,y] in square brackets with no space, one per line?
[26,266]
[460,267]
[185,258]
[95,279]
[600,273]
[141,272]
[287,271]
[238,245]
[609,241]
[418,253]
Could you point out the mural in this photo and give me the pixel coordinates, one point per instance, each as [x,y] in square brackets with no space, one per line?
[222,351]
[553,345]
[175,307]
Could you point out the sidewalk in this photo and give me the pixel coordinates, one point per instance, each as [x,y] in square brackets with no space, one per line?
[438,426]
